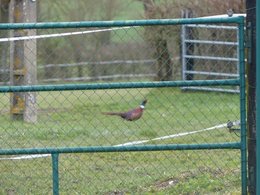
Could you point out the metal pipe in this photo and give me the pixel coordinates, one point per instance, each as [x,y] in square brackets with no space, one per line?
[55,173]
[95,149]
[211,42]
[210,58]
[213,73]
[87,24]
[95,86]
[243,136]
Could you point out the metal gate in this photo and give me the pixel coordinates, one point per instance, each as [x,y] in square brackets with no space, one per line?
[70,122]
[195,61]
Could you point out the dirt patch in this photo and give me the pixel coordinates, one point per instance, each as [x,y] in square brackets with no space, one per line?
[160,185]
[165,184]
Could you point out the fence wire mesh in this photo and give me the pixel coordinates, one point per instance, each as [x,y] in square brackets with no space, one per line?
[78,118]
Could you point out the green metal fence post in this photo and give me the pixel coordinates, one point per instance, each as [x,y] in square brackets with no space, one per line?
[242,108]
[55,173]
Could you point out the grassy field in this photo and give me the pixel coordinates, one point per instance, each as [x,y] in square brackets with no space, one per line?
[75,119]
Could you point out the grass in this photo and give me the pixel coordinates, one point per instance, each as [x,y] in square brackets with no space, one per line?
[75,119]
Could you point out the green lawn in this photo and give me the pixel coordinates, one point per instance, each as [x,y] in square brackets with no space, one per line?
[75,119]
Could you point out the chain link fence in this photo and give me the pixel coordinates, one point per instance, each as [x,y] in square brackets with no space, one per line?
[86,79]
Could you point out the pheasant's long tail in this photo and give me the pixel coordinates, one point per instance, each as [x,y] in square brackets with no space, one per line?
[113,113]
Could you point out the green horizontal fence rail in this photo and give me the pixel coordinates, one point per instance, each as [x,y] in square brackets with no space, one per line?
[49,25]
[66,87]
[93,149]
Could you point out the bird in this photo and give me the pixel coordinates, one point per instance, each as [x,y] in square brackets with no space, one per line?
[131,115]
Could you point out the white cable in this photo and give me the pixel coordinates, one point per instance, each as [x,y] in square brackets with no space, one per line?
[59,34]
[173,135]
[133,142]
[26,157]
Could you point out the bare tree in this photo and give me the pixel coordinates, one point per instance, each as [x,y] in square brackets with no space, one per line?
[164,62]
[109,11]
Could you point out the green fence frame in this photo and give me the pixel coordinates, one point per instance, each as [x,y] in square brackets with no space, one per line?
[94,149]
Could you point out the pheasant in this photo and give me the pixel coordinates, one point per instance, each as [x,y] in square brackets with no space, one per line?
[131,115]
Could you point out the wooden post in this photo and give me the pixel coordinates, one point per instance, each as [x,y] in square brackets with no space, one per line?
[23,66]
[4,10]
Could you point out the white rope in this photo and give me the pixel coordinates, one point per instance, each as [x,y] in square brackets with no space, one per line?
[26,157]
[173,135]
[133,142]
[59,34]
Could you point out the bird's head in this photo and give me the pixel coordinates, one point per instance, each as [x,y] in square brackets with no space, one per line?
[142,105]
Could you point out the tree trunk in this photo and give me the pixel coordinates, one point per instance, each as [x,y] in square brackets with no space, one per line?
[164,62]
[110,5]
